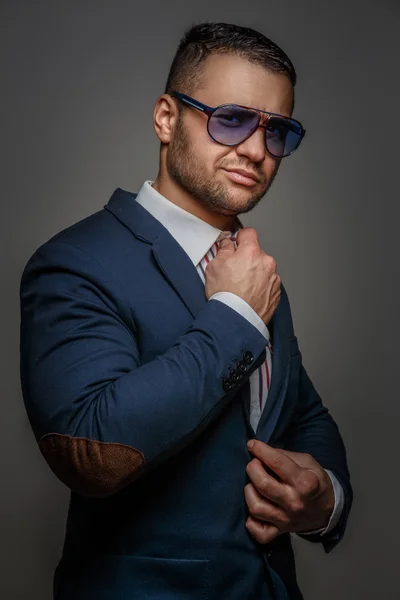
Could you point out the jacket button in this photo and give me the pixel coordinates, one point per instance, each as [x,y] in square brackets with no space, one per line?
[235,375]
[248,357]
[241,366]
[227,385]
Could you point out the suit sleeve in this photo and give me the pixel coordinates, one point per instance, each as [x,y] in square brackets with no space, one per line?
[100,416]
[313,431]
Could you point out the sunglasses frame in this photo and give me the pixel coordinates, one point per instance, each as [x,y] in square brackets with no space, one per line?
[263,120]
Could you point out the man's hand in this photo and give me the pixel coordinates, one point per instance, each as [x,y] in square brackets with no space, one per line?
[298,498]
[247,272]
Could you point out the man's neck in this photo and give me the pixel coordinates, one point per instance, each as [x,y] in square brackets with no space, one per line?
[175,194]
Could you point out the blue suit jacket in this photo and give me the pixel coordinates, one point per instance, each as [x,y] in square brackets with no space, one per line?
[126,378]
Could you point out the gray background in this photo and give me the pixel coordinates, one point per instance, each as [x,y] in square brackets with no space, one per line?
[80,83]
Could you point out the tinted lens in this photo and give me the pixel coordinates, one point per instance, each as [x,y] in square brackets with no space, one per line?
[283,136]
[231,124]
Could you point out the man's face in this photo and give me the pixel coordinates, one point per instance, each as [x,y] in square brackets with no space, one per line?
[198,164]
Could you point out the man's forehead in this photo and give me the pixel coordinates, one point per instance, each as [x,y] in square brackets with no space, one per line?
[230,79]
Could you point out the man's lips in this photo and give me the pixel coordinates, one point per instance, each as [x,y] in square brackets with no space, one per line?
[242,176]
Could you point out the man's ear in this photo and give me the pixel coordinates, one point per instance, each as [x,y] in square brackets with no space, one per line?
[165,117]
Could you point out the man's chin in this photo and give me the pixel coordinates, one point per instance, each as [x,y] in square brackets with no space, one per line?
[241,203]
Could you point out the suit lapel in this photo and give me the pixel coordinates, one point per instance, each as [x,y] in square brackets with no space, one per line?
[170,257]
[279,378]
[180,271]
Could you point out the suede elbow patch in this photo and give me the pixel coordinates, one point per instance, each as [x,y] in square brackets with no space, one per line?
[89,467]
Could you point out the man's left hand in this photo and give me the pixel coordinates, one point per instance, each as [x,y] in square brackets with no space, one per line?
[299,498]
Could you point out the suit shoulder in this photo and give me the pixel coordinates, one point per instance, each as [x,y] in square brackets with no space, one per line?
[95,235]
[88,232]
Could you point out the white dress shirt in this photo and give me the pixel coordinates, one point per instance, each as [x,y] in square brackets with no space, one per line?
[196,237]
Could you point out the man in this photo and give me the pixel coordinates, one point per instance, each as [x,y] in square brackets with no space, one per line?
[157,341]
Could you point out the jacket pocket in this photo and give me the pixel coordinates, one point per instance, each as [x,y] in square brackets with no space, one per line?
[125,577]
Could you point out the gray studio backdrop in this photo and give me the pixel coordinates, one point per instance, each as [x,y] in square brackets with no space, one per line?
[80,83]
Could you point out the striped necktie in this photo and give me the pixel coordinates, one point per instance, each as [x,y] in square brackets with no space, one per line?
[260,380]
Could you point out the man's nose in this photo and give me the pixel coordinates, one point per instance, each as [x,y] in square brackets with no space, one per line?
[254,146]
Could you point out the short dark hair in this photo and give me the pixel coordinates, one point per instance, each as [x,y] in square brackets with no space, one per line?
[204,39]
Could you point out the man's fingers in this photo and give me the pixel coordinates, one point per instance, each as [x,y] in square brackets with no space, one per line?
[262,509]
[247,235]
[226,246]
[260,531]
[312,473]
[267,485]
[303,460]
[284,466]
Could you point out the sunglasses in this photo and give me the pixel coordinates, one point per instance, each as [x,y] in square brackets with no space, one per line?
[232,124]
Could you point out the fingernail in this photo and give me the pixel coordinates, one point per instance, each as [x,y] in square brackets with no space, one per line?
[250,444]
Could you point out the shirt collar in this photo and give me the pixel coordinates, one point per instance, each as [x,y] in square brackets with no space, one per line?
[194,235]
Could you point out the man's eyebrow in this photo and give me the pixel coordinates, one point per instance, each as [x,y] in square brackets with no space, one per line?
[264,110]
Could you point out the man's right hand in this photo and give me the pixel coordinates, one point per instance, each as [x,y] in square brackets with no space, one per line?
[247,272]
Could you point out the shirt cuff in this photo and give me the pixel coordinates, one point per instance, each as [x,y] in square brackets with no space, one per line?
[337,510]
[243,308]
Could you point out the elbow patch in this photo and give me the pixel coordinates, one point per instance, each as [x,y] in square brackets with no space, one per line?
[89,467]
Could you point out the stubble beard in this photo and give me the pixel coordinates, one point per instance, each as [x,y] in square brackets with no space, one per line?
[184,168]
